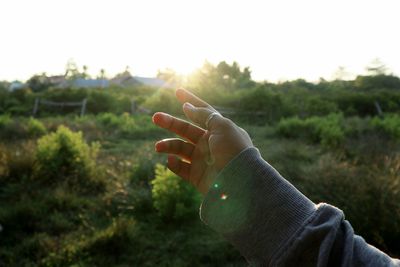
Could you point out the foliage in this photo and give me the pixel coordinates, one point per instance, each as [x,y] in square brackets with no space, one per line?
[10,128]
[222,76]
[390,125]
[16,161]
[369,197]
[262,100]
[377,82]
[163,100]
[3,163]
[326,130]
[64,156]
[60,211]
[35,127]
[111,121]
[5,120]
[39,83]
[173,198]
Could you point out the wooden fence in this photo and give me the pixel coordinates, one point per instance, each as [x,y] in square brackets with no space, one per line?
[39,102]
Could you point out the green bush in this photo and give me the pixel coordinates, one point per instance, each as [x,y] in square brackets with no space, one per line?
[173,198]
[369,197]
[100,101]
[114,240]
[124,124]
[11,128]
[330,130]
[390,125]
[5,120]
[293,127]
[262,100]
[64,156]
[4,170]
[326,130]
[163,100]
[35,127]
[128,126]
[16,161]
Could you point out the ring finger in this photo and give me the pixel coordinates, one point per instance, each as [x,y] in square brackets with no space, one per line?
[177,147]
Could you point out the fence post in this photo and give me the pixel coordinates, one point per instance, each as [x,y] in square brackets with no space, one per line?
[83,110]
[378,108]
[133,107]
[36,106]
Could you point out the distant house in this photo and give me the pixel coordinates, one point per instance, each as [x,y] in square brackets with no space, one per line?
[61,81]
[126,79]
[155,82]
[15,85]
[58,80]
[90,83]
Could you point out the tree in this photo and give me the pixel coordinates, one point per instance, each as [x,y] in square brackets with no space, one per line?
[341,74]
[376,67]
[171,77]
[71,69]
[223,77]
[84,73]
[39,83]
[102,74]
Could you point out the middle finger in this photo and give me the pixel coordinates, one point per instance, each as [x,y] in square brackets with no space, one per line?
[183,128]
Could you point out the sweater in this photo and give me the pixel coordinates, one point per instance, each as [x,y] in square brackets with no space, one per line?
[271,223]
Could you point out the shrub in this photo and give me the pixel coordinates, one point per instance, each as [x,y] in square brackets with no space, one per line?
[121,123]
[35,128]
[326,130]
[64,156]
[262,100]
[356,127]
[3,163]
[114,240]
[293,127]
[369,197]
[173,198]
[11,128]
[5,120]
[129,126]
[100,101]
[390,125]
[330,130]
[16,161]
[163,100]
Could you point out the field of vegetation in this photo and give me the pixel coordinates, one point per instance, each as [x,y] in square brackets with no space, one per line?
[91,191]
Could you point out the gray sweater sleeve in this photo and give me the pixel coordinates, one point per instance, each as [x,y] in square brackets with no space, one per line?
[272,224]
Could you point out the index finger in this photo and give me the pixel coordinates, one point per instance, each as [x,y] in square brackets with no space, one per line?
[186,96]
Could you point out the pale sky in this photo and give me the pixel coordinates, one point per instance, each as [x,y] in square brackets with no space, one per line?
[278,40]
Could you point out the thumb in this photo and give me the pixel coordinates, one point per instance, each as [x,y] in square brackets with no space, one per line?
[200,115]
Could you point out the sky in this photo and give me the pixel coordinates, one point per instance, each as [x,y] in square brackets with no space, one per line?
[279,40]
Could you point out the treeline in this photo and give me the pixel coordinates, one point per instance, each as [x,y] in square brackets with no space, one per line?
[228,86]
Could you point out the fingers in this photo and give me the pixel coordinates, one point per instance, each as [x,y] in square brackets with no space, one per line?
[201,116]
[178,126]
[179,167]
[175,146]
[186,96]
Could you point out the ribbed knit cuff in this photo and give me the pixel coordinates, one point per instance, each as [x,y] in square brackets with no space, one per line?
[254,207]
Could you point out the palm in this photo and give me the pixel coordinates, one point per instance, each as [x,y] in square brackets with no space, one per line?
[202,170]
[202,153]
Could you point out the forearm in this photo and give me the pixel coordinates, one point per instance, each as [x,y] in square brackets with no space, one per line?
[272,223]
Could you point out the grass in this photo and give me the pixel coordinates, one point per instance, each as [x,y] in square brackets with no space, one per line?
[56,226]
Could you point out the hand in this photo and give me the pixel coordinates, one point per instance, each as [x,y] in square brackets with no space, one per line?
[206,148]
